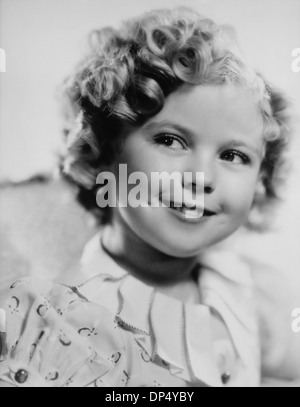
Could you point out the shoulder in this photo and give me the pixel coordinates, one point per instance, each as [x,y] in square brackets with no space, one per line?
[276,297]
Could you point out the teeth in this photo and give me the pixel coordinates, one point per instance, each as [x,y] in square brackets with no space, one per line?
[193,214]
[182,206]
[189,213]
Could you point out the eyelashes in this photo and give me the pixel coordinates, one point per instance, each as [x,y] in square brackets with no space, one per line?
[177,143]
[171,141]
[235,157]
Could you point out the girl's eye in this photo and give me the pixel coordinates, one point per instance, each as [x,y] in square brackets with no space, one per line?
[235,157]
[171,141]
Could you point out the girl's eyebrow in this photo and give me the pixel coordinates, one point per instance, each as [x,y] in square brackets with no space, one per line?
[236,143]
[154,126]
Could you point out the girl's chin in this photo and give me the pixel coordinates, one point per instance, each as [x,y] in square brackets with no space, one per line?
[178,248]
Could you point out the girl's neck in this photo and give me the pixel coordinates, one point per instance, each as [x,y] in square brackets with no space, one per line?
[146,263]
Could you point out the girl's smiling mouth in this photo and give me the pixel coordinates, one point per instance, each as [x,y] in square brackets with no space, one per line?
[188,214]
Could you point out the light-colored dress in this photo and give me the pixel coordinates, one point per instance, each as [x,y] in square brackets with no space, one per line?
[115,331]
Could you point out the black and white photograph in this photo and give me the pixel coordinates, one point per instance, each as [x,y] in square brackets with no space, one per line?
[149,196]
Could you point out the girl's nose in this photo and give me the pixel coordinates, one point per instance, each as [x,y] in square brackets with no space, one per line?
[209,186]
[204,165]
[209,189]
[209,181]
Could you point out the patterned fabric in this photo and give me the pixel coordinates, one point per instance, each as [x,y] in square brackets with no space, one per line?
[116,331]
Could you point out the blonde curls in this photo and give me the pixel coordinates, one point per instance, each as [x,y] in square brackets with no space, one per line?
[129,72]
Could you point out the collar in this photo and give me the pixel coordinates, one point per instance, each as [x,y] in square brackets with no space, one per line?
[225,287]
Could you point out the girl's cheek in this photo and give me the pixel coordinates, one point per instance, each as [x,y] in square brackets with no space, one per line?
[238,194]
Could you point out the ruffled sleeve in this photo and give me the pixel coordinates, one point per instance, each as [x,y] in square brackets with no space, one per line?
[54,337]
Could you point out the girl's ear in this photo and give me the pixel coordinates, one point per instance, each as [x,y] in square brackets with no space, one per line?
[260,191]
[256,218]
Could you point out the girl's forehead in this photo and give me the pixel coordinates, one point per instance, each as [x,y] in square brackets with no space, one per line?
[212,108]
[213,97]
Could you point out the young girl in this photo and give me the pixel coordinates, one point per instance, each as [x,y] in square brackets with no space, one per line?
[168,92]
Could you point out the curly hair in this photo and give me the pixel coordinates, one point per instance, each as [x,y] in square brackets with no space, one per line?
[127,76]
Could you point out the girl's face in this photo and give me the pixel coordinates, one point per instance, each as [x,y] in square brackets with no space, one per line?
[216,130]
